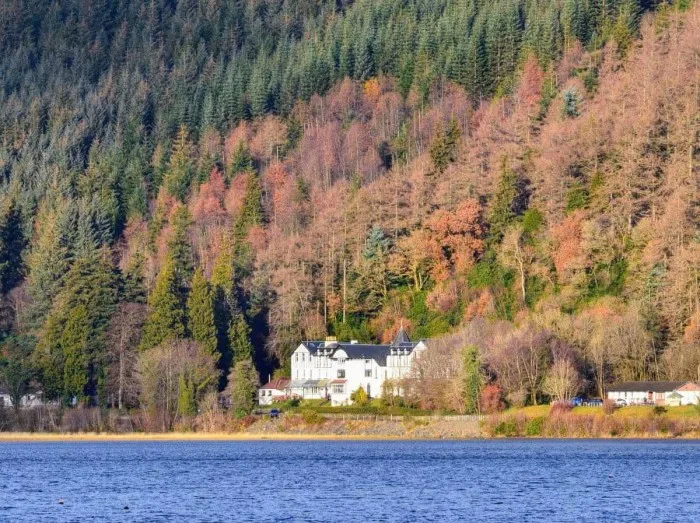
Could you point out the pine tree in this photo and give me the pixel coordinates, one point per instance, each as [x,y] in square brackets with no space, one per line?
[180,172]
[48,262]
[72,340]
[200,313]
[239,338]
[444,146]
[242,161]
[12,244]
[133,285]
[251,212]
[223,282]
[74,349]
[242,386]
[166,318]
[509,201]
[180,251]
[472,379]
[571,103]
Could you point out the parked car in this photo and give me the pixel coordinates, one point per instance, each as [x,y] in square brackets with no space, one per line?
[620,402]
[577,402]
[274,413]
[594,402]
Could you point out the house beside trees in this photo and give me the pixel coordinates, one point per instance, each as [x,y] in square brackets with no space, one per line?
[336,371]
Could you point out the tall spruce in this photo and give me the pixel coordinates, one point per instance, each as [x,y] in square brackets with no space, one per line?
[166,318]
[12,244]
[472,379]
[200,313]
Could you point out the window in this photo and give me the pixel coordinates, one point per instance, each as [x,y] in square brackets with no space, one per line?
[341,373]
[339,389]
[368,373]
[296,357]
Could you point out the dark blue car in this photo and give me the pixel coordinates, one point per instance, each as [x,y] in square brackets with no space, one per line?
[274,413]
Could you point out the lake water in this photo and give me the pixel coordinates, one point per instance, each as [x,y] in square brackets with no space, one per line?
[502,480]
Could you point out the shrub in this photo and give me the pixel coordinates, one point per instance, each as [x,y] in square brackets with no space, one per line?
[534,426]
[609,407]
[508,427]
[491,399]
[359,397]
[659,410]
[311,417]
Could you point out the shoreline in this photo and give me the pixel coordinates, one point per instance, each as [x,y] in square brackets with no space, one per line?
[29,437]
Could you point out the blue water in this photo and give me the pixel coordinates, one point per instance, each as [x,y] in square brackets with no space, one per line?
[514,480]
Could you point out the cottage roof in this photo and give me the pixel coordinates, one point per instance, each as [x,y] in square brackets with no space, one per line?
[365,351]
[277,384]
[689,387]
[646,386]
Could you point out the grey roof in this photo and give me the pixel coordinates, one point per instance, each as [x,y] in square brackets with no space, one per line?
[401,338]
[646,386]
[361,351]
[366,351]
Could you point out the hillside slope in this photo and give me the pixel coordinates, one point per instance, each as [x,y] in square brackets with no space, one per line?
[539,203]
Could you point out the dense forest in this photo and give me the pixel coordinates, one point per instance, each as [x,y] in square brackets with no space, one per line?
[188,188]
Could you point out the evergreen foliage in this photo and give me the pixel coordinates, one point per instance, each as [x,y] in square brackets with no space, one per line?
[12,244]
[242,386]
[443,147]
[239,338]
[473,379]
[166,319]
[200,313]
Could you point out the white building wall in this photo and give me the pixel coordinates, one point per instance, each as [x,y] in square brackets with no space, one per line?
[630,397]
[689,397]
[364,373]
[268,396]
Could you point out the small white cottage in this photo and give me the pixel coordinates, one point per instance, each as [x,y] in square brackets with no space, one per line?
[276,390]
[655,393]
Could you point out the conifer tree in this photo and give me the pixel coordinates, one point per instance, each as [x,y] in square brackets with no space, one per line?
[74,349]
[200,313]
[509,201]
[180,251]
[48,262]
[444,146]
[166,317]
[242,161]
[222,280]
[242,386]
[12,243]
[239,338]
[133,285]
[473,379]
[179,175]
[71,344]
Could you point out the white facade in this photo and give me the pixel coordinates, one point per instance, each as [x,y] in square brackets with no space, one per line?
[334,370]
[669,393]
[274,391]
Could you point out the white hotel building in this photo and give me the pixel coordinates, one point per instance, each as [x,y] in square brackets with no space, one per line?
[333,370]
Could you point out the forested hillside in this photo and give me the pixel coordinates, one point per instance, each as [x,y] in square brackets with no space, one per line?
[192,187]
